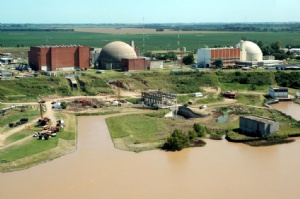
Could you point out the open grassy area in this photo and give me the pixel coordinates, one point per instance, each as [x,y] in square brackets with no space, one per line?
[31,89]
[32,151]
[136,131]
[15,114]
[140,128]
[250,99]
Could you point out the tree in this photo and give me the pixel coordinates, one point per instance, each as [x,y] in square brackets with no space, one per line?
[200,130]
[177,141]
[187,60]
[218,63]
[63,105]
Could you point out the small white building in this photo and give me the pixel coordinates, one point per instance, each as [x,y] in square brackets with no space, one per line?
[6,60]
[197,94]
[156,64]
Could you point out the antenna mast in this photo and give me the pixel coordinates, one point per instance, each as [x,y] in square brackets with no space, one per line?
[178,41]
[143,37]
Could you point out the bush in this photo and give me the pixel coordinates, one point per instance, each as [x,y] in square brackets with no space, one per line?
[177,141]
[276,136]
[192,134]
[63,105]
[200,130]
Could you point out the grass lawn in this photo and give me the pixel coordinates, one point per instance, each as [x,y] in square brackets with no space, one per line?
[15,115]
[250,99]
[33,151]
[139,127]
[28,148]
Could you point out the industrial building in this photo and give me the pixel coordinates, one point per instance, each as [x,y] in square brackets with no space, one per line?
[94,56]
[245,53]
[258,126]
[277,93]
[62,57]
[112,54]
[120,55]
[135,64]
[207,56]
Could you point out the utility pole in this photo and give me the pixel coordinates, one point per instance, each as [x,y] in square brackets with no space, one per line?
[143,50]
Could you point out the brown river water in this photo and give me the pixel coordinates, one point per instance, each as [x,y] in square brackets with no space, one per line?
[96,170]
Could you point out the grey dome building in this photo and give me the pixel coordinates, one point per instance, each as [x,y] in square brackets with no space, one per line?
[111,55]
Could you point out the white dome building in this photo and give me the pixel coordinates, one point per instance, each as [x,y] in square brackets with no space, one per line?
[111,55]
[250,51]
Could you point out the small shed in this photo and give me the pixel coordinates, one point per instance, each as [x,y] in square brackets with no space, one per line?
[6,60]
[197,94]
[230,94]
[278,92]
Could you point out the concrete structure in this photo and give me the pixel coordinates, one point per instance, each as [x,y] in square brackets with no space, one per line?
[258,126]
[207,56]
[280,92]
[95,56]
[112,54]
[5,74]
[269,57]
[159,99]
[188,113]
[156,64]
[52,58]
[135,64]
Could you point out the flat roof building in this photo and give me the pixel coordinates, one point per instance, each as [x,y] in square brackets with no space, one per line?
[279,92]
[244,52]
[135,64]
[258,126]
[62,57]
[207,56]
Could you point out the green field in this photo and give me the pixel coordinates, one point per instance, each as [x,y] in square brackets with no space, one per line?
[151,41]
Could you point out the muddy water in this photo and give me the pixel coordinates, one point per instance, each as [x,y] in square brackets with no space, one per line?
[219,170]
[288,108]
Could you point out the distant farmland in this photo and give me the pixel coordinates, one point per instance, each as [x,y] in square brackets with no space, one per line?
[166,40]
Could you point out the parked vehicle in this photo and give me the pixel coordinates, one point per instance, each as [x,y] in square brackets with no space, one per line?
[23,120]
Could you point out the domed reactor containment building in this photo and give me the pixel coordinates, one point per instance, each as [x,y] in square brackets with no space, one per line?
[250,51]
[112,54]
[245,53]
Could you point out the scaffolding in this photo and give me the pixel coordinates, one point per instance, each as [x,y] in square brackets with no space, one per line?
[159,99]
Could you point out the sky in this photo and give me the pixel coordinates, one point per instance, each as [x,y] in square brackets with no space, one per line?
[148,11]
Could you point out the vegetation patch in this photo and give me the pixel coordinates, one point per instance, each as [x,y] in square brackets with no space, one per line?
[30,89]
[139,128]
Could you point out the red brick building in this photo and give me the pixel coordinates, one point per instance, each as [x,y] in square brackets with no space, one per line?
[52,58]
[207,56]
[135,64]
